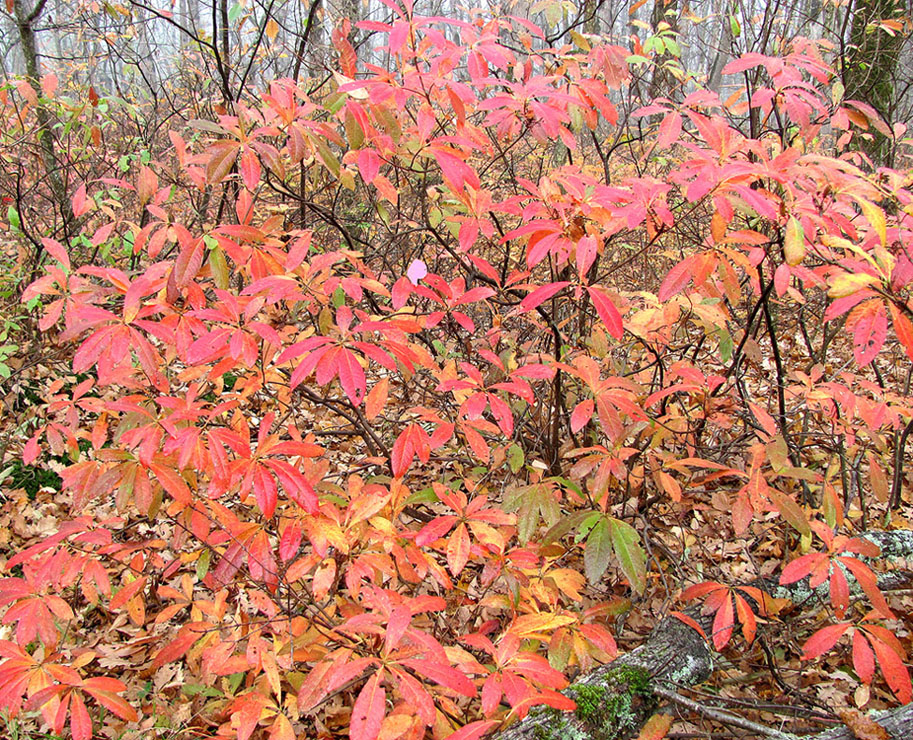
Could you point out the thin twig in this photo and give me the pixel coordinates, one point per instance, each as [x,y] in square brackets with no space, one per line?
[721,716]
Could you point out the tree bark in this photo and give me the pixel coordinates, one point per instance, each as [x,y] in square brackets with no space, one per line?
[898,722]
[616,699]
[24,23]
[663,82]
[869,73]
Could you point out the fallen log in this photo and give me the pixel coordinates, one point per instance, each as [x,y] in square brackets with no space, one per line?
[616,699]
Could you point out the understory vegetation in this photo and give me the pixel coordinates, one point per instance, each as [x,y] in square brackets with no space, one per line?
[393,403]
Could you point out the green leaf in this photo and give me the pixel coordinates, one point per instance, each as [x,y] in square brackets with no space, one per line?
[589,521]
[725,344]
[565,525]
[12,216]
[203,565]
[597,552]
[354,133]
[790,511]
[570,484]
[425,496]
[630,554]
[219,267]
[531,502]
[515,458]
[192,689]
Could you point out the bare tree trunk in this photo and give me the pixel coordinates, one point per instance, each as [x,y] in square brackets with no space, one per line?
[24,23]
[665,16]
[869,73]
[307,39]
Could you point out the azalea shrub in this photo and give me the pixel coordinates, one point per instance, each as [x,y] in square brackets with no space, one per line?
[391,398]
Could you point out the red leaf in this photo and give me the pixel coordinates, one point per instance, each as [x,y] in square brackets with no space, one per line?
[80,201]
[669,130]
[868,582]
[863,657]
[840,592]
[127,593]
[376,399]
[607,312]
[903,328]
[458,549]
[369,709]
[351,376]
[685,619]
[444,675]
[542,294]
[746,619]
[869,332]
[248,709]
[221,158]
[823,640]
[57,251]
[434,530]
[397,625]
[188,262]
[723,624]
[250,169]
[766,421]
[177,647]
[656,727]
[368,164]
[699,590]
[113,702]
[582,414]
[80,722]
[31,449]
[894,670]
[801,567]
[474,730]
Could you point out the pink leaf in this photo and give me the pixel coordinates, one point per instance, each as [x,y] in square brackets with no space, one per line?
[676,280]
[417,270]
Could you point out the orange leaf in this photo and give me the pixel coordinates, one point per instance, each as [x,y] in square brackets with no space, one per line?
[127,593]
[458,549]
[656,727]
[376,399]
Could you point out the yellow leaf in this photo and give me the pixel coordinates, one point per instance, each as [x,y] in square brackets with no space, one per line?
[794,242]
[875,216]
[281,729]
[848,283]
[530,625]
[272,28]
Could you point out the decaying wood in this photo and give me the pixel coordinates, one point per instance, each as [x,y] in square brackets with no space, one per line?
[616,699]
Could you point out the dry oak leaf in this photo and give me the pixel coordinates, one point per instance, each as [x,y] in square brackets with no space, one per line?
[862,726]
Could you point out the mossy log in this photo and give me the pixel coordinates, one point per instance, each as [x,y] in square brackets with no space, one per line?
[616,699]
